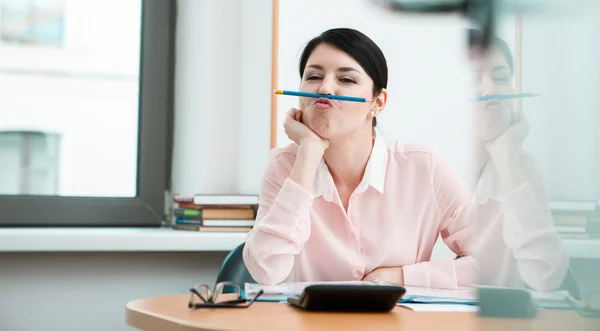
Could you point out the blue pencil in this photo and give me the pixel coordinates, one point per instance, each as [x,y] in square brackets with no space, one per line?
[316,95]
[506,96]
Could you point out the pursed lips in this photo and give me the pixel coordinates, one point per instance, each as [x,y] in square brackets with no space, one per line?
[323,104]
[493,103]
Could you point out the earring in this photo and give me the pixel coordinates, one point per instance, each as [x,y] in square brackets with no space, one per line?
[373,113]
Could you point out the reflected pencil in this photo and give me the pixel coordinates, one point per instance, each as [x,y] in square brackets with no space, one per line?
[506,96]
[317,95]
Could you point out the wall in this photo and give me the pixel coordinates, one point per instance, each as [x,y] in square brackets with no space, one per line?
[560,61]
[89,291]
[222,107]
[255,91]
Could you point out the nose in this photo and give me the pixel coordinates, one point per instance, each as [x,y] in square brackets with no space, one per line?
[487,86]
[327,85]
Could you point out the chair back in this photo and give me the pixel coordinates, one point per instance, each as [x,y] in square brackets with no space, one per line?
[234,270]
[570,284]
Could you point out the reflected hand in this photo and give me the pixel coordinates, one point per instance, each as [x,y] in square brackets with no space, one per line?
[505,153]
[508,144]
[299,132]
[390,275]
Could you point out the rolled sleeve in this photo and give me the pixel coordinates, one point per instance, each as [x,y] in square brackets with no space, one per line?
[289,214]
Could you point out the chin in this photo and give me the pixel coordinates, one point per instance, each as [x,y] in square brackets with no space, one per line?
[489,136]
[490,131]
[321,128]
[323,133]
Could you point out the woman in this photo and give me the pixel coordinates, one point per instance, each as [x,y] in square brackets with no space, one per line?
[518,245]
[340,203]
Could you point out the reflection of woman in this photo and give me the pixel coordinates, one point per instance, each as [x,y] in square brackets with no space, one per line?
[519,245]
[342,204]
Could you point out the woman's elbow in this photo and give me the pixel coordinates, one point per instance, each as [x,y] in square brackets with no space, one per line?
[549,278]
[269,281]
[261,270]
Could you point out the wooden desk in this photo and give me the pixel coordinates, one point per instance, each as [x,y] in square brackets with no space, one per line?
[170,313]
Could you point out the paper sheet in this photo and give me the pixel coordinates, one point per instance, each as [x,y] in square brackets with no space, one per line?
[291,288]
[283,291]
[463,295]
[439,307]
[551,300]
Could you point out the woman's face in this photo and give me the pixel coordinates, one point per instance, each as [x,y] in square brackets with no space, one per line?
[492,76]
[331,71]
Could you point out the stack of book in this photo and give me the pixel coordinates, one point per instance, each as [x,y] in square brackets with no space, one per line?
[215,213]
[576,219]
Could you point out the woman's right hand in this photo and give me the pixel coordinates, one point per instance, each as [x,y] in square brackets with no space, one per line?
[299,132]
[310,151]
[505,153]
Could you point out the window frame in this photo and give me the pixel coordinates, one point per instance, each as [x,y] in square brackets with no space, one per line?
[155,136]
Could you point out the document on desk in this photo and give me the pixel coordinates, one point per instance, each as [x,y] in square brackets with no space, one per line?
[424,295]
[283,291]
[551,300]
[414,295]
[469,296]
[439,307]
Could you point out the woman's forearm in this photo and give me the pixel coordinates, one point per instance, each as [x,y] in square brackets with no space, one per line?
[308,158]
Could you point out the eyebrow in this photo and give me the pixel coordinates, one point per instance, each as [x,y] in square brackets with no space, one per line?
[340,69]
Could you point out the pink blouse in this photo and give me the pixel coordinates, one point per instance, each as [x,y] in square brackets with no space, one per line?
[409,195]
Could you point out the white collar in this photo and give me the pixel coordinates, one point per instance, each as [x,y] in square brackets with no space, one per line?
[374,172]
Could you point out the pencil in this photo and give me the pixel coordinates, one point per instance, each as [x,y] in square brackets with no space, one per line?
[317,95]
[506,96]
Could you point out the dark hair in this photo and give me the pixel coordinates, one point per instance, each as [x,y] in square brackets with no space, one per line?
[475,36]
[360,47]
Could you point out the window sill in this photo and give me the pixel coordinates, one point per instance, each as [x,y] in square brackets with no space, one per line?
[165,240]
[583,248]
[116,240]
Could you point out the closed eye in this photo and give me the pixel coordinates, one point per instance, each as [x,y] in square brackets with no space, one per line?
[500,74]
[313,77]
[503,79]
[347,80]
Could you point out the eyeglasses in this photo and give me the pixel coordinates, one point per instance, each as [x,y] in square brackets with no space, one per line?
[208,297]
[589,308]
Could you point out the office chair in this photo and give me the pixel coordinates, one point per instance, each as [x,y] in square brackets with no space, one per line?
[234,270]
[570,284]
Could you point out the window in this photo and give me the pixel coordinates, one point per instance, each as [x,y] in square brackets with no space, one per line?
[85,111]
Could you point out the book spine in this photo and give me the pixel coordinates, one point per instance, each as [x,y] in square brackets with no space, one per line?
[185,221]
[195,214]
